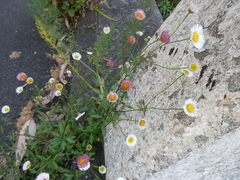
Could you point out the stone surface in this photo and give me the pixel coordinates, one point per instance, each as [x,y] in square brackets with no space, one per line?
[174,142]
[87,31]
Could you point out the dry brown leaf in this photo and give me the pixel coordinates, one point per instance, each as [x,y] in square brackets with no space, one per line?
[25,115]
[15,54]
[30,125]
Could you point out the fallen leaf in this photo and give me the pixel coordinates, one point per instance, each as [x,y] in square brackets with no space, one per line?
[62,68]
[15,54]
[47,99]
[30,125]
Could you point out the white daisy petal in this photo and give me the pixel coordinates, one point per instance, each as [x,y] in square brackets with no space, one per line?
[26,165]
[197,36]
[142,124]
[76,56]
[190,108]
[5,109]
[19,90]
[131,140]
[186,72]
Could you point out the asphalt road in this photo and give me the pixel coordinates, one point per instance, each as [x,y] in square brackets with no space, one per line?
[18,33]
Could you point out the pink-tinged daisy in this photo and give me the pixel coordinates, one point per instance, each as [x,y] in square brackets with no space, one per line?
[76,56]
[19,90]
[110,63]
[190,108]
[192,8]
[106,30]
[29,80]
[5,109]
[194,67]
[132,39]
[43,176]
[21,76]
[126,84]
[59,86]
[83,162]
[139,14]
[197,36]
[112,97]
[165,37]
[131,140]
[26,165]
[102,169]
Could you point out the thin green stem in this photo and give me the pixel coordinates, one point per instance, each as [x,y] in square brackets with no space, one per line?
[95,174]
[164,89]
[121,130]
[166,67]
[149,54]
[162,109]
[180,24]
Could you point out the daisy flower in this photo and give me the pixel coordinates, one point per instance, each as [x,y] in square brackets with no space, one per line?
[106,30]
[69,73]
[58,93]
[83,162]
[127,64]
[192,8]
[59,86]
[165,37]
[79,115]
[21,76]
[110,63]
[121,178]
[194,67]
[140,33]
[142,124]
[131,140]
[29,80]
[102,169]
[43,176]
[190,108]
[139,14]
[5,109]
[112,97]
[19,90]
[186,72]
[126,84]
[64,82]
[76,56]
[89,147]
[131,39]
[51,80]
[197,36]
[26,165]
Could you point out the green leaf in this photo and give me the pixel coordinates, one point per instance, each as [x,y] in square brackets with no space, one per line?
[96,116]
[65,7]
[71,12]
[55,164]
[1,129]
[102,13]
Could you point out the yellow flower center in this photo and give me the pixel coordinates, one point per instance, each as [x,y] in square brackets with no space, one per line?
[6,109]
[185,71]
[28,165]
[193,67]
[195,37]
[142,122]
[29,81]
[81,161]
[190,108]
[59,87]
[130,140]
[125,85]
[20,90]
[101,169]
[131,40]
[112,97]
[44,179]
[22,77]
[76,56]
[139,15]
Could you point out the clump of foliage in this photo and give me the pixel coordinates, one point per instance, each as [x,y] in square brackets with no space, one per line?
[166,7]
